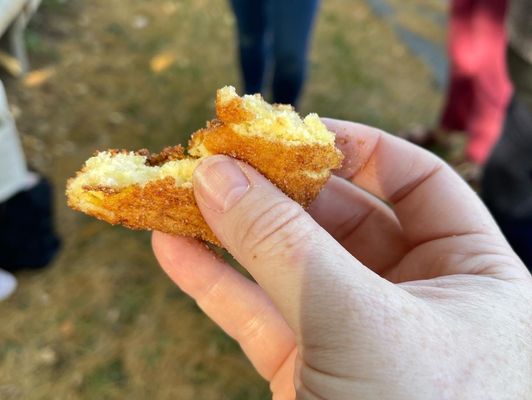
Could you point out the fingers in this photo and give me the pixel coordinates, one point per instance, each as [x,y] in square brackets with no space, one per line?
[361,223]
[235,303]
[429,199]
[292,258]
[282,384]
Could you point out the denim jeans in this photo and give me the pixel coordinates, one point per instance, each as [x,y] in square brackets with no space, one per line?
[274,35]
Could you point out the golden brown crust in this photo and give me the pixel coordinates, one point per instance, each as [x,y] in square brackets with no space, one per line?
[299,170]
[232,110]
[286,166]
[158,205]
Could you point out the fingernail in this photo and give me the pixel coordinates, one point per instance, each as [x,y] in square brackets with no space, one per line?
[220,183]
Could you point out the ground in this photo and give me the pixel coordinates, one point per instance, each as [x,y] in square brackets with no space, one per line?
[103,321]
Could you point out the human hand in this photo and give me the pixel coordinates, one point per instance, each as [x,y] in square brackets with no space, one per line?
[356,299]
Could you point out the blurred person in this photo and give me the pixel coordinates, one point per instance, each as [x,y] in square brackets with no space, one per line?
[274,34]
[27,237]
[507,180]
[396,284]
[479,88]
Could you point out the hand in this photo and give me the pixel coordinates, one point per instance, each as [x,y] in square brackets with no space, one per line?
[395,285]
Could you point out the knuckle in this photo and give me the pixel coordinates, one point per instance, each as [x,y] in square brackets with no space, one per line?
[278,224]
[251,330]
[212,291]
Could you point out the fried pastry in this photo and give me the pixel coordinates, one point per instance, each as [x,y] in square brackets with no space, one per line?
[295,154]
[154,191]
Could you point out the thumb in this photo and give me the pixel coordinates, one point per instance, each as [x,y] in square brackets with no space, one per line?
[291,257]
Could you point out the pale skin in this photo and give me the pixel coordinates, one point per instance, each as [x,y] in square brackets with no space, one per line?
[395,284]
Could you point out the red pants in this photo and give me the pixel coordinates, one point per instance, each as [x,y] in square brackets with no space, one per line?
[479,88]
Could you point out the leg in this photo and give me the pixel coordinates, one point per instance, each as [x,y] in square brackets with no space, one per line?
[507,181]
[252,41]
[14,175]
[479,88]
[292,25]
[27,235]
[459,95]
[491,85]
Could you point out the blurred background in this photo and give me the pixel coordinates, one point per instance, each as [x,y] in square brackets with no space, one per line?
[102,320]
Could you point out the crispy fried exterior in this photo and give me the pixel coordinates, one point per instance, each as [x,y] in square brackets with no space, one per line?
[297,169]
[158,205]
[282,165]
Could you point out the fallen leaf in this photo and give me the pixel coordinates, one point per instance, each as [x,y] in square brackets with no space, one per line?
[11,64]
[67,328]
[162,61]
[38,77]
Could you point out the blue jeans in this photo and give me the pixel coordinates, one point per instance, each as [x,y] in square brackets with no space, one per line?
[275,34]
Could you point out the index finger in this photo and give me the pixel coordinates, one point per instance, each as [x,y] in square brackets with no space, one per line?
[430,200]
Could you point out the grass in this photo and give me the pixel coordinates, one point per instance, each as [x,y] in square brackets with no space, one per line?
[103,322]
